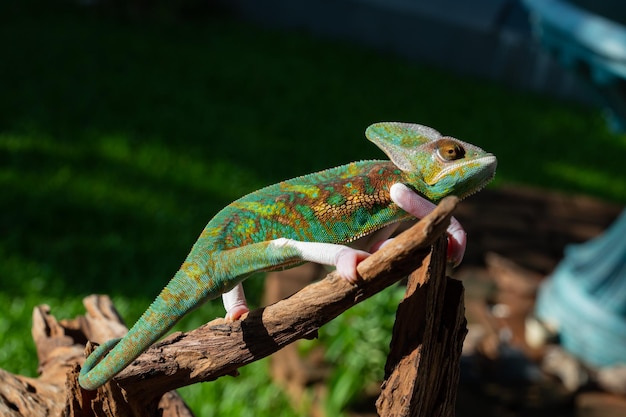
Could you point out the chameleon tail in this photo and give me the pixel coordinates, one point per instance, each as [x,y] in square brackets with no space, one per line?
[180,296]
[190,287]
[86,378]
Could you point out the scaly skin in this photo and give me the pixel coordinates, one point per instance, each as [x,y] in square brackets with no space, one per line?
[308,218]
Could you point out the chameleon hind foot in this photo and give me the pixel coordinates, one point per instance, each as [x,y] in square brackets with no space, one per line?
[235,303]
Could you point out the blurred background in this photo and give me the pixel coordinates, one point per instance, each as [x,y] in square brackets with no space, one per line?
[126,125]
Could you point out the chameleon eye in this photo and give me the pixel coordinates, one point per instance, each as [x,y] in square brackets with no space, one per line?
[449,150]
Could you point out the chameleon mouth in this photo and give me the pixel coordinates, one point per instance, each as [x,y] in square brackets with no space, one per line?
[486,163]
[491,163]
[485,167]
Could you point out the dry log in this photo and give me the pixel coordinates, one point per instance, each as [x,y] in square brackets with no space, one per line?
[60,348]
[221,347]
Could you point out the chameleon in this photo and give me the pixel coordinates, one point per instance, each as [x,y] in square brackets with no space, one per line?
[309,218]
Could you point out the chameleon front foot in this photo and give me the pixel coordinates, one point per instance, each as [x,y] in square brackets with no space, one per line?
[346,261]
[411,202]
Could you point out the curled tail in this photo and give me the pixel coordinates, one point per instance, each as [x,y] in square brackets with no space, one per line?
[201,278]
[87,379]
[180,296]
[116,354]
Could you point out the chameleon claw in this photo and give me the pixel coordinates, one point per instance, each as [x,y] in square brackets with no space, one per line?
[457,241]
[235,303]
[413,203]
[236,313]
[346,261]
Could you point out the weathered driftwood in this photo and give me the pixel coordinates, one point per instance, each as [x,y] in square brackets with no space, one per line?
[215,349]
[60,348]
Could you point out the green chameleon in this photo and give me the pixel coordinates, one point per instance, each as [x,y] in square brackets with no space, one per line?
[309,218]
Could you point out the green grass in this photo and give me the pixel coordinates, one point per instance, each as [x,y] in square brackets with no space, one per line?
[119,140]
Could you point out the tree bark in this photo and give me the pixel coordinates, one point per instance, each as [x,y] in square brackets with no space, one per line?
[213,350]
[422,370]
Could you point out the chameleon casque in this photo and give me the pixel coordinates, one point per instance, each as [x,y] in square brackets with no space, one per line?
[309,218]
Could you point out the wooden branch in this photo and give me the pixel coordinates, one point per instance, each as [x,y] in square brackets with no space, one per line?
[221,347]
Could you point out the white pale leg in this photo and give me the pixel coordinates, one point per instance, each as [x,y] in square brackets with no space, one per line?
[411,202]
[344,258]
[235,303]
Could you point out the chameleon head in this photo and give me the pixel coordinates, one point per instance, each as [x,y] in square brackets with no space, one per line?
[434,165]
